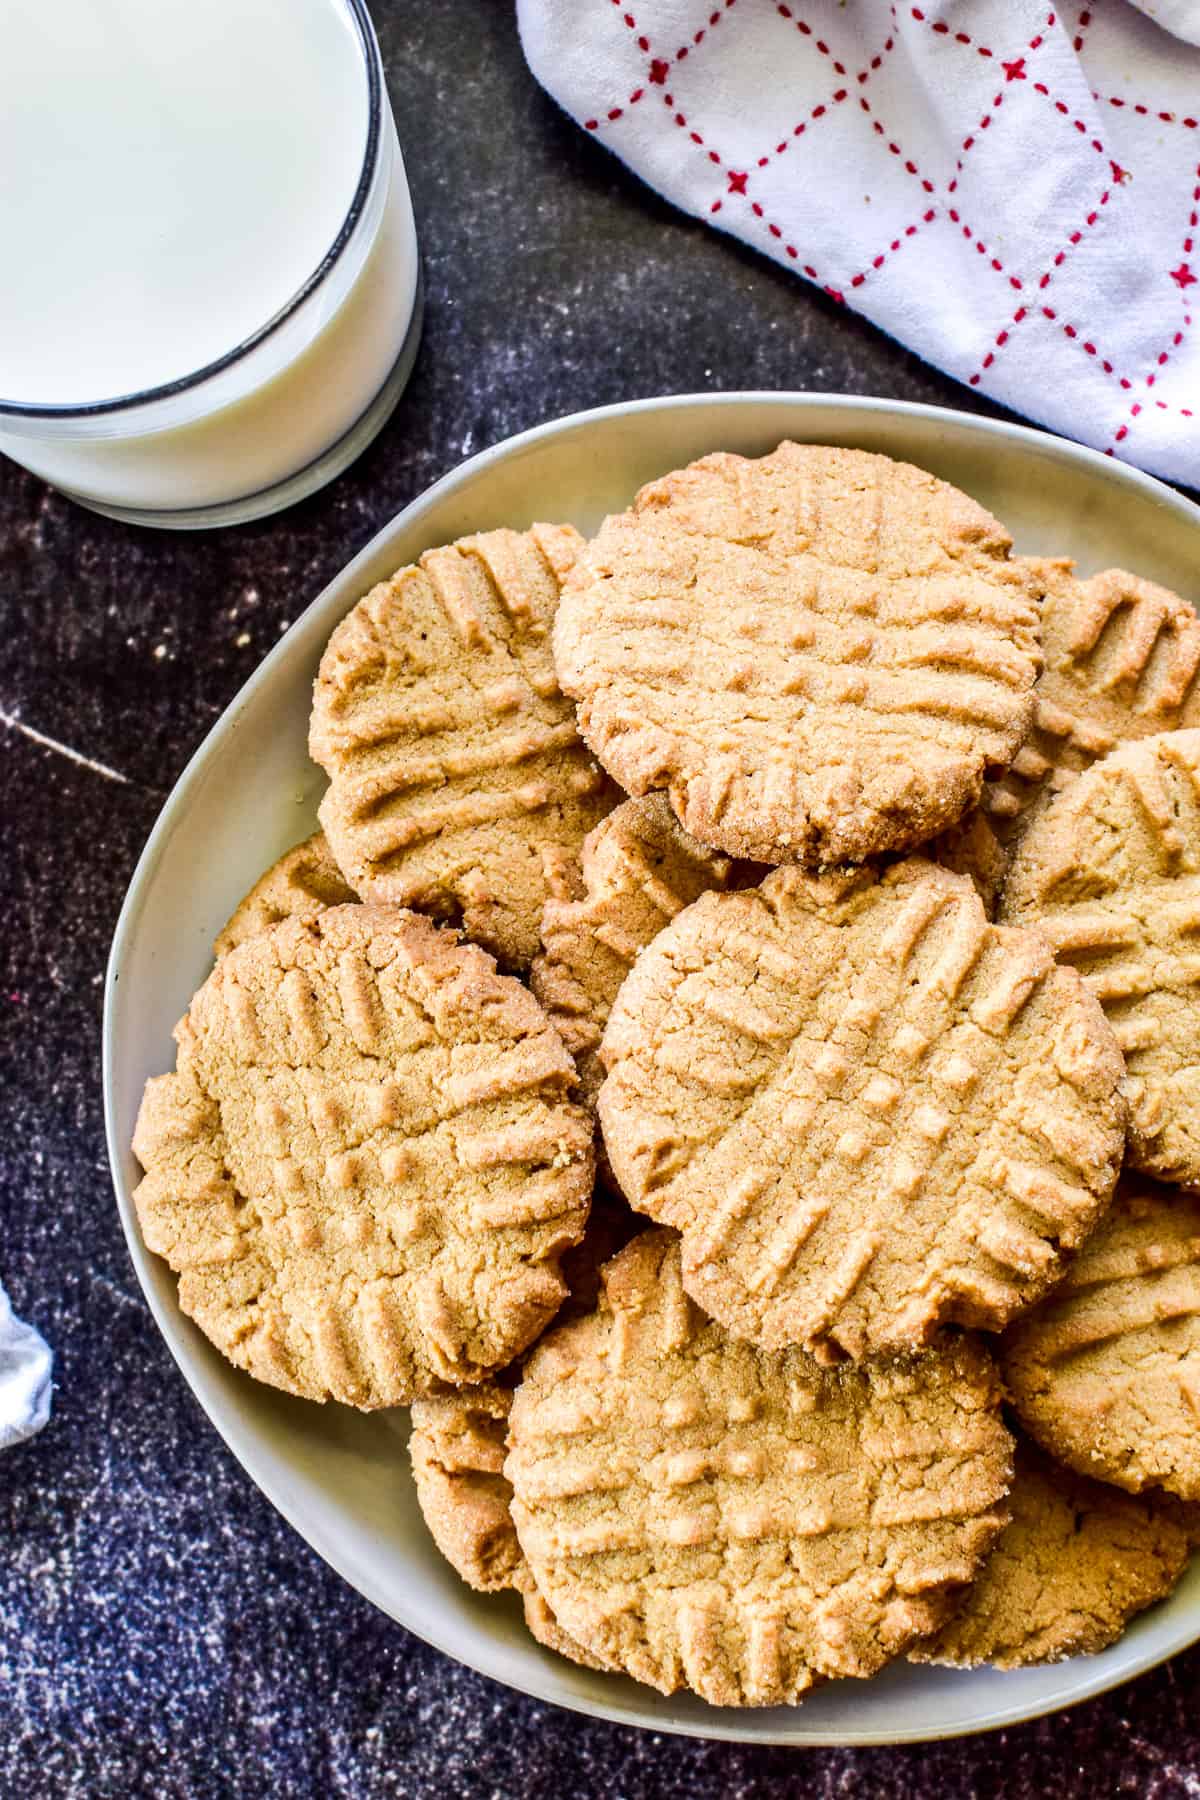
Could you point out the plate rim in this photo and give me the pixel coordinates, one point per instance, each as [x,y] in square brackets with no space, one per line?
[171,1322]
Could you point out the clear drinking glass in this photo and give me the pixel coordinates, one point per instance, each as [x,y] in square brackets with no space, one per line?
[280,413]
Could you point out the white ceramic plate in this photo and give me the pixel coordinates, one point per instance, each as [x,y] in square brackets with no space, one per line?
[341,1477]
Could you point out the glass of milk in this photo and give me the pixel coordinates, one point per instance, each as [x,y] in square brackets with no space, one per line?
[210,299]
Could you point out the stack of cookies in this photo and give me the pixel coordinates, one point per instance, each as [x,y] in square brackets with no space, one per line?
[797,868]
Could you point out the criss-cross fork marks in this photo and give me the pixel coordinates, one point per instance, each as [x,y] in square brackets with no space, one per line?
[437,710]
[1111,876]
[866,1112]
[792,673]
[790,615]
[397,1177]
[722,1485]
[491,1114]
[1122,657]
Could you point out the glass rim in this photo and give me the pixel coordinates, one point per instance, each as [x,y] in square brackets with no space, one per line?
[181,384]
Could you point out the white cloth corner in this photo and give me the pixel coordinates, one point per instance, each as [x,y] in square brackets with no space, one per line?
[1181,17]
[1009,187]
[25,1367]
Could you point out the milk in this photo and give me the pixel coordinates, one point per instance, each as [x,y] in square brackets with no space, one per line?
[177,173]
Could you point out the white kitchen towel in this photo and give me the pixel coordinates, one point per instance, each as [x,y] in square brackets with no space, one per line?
[25,1364]
[1012,191]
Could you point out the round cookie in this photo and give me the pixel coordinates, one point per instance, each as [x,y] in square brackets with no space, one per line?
[1106,1372]
[869,1111]
[458,782]
[818,654]
[1120,660]
[700,1513]
[304,880]
[1109,871]
[638,869]
[1076,1562]
[365,1166]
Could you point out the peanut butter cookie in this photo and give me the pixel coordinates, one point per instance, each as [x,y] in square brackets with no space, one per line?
[1120,656]
[458,1446]
[1076,1562]
[703,1514]
[365,1166]
[1106,1372]
[458,782]
[869,1111]
[817,654]
[304,880]
[1109,871]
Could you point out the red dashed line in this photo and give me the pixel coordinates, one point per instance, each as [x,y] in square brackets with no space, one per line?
[1039,87]
[1014,281]
[943,30]
[909,231]
[1024,311]
[806,30]
[737,178]
[659,69]
[1145,112]
[798,131]
[658,72]
[907,162]
[1164,356]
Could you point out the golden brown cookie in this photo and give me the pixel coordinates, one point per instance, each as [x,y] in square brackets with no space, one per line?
[1077,1561]
[869,1111]
[1121,657]
[304,881]
[458,783]
[457,1448]
[818,654]
[704,1514]
[1110,872]
[1106,1372]
[366,1165]
[639,868]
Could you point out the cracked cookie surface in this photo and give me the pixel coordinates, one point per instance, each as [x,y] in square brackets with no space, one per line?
[745,1523]
[869,1111]
[305,880]
[458,781]
[1105,1373]
[1109,872]
[817,654]
[1076,1562]
[366,1165]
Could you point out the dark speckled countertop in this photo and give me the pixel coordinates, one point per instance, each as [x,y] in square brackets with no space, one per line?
[162,1631]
